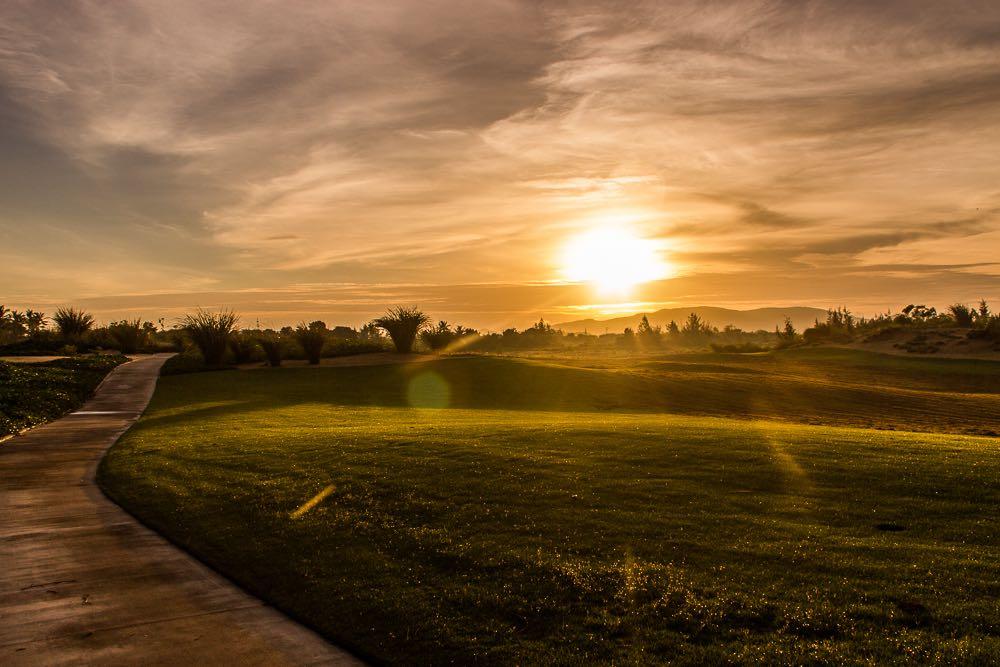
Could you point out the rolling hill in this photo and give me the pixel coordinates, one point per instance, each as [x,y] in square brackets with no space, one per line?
[748,320]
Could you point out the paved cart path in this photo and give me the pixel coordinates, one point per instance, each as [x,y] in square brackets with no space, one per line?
[82,582]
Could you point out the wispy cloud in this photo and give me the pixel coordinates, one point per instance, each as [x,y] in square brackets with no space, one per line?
[257,145]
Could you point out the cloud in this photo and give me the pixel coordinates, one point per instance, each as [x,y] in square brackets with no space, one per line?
[250,145]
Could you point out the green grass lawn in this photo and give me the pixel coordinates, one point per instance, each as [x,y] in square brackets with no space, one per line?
[542,512]
[34,393]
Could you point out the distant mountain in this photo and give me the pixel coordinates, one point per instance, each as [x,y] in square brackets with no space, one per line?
[748,320]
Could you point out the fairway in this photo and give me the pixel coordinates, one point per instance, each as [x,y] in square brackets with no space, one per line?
[486,510]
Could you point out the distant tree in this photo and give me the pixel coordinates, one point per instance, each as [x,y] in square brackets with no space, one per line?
[673,330]
[984,312]
[786,335]
[35,321]
[73,324]
[962,314]
[12,325]
[920,313]
[312,338]
[344,333]
[439,337]
[540,327]
[210,332]
[789,330]
[647,334]
[403,324]
[695,326]
[370,333]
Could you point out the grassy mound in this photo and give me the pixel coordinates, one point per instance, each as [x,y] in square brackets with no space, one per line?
[518,519]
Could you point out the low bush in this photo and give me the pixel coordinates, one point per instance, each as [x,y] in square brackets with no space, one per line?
[42,343]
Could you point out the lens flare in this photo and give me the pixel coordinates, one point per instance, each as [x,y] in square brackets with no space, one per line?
[428,390]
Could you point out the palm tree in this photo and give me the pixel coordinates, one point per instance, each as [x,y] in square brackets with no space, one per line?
[36,321]
[403,325]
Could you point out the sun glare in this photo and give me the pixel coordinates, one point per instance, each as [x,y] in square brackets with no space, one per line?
[613,260]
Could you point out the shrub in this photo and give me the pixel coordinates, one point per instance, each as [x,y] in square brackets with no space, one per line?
[403,325]
[963,314]
[311,338]
[128,335]
[439,337]
[271,344]
[243,347]
[73,324]
[211,332]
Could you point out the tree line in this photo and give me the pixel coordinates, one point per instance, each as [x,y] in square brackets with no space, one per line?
[217,337]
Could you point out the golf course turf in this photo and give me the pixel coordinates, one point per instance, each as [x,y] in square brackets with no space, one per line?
[493,510]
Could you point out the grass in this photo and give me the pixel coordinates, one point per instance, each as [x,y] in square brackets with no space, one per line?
[551,513]
[34,393]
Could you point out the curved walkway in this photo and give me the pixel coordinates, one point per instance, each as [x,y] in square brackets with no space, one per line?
[82,582]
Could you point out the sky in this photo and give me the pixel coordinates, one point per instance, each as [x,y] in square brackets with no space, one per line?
[301,160]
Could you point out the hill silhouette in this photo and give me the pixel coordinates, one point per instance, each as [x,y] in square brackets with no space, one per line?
[748,320]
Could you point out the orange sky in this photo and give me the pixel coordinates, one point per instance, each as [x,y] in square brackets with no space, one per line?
[325,159]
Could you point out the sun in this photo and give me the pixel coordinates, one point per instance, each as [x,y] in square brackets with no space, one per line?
[613,259]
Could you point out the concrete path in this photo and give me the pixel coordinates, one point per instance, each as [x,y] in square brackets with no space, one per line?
[81,582]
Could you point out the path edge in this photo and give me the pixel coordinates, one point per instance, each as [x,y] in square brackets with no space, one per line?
[348,647]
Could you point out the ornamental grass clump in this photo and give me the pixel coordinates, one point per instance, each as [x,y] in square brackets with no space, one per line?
[403,325]
[272,349]
[311,339]
[73,324]
[243,347]
[128,335]
[211,333]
